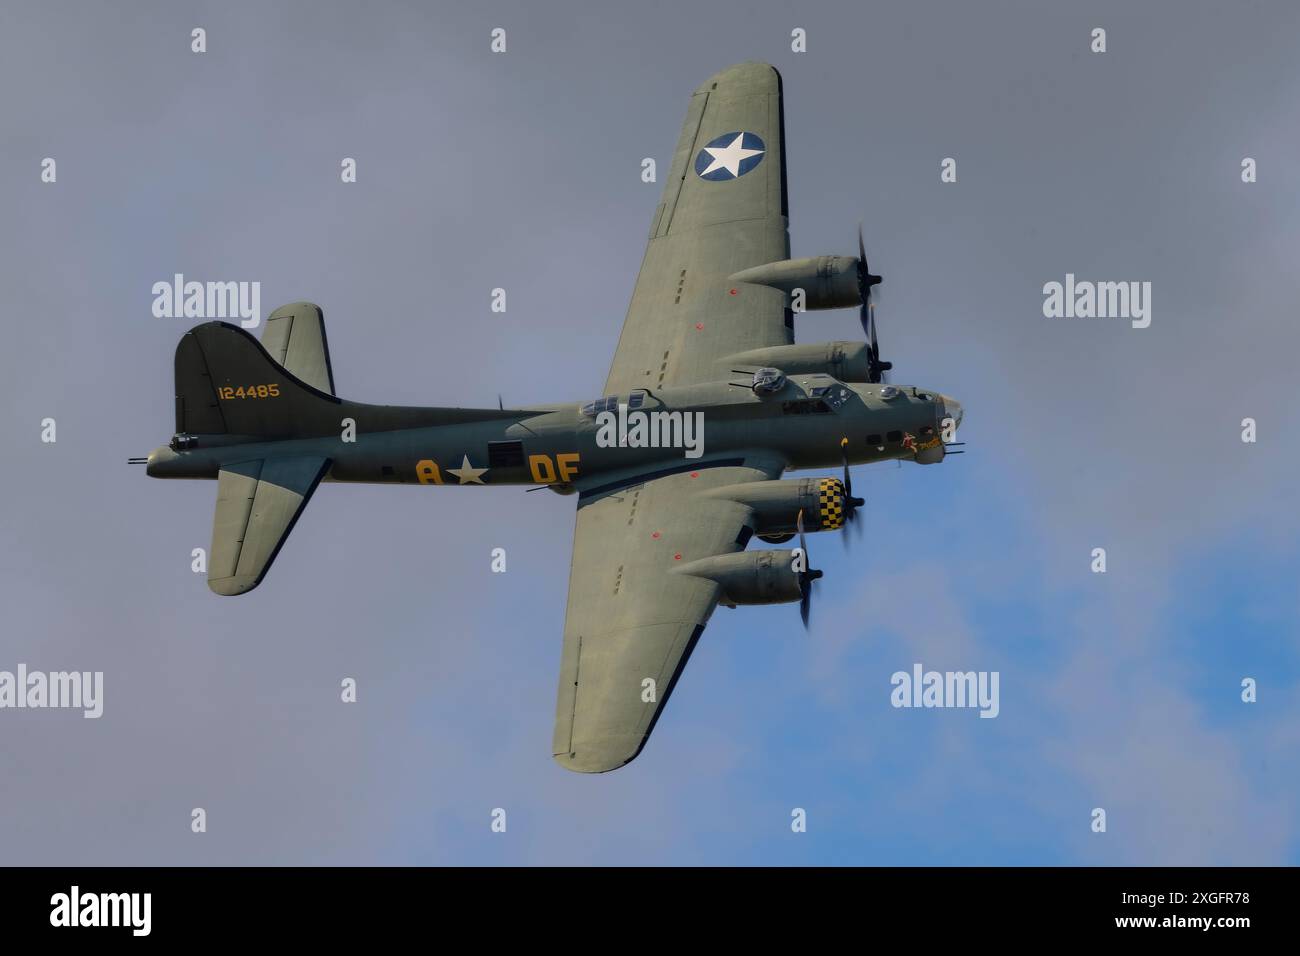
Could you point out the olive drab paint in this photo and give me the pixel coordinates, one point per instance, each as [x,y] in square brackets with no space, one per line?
[662,525]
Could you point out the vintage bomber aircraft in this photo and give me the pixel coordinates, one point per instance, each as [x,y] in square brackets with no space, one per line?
[660,538]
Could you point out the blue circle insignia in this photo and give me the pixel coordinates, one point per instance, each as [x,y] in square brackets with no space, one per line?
[729,156]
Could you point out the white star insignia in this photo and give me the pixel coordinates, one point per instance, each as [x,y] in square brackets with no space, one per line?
[467,473]
[729,157]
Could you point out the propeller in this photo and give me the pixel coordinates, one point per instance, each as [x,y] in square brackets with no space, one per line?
[876,369]
[851,504]
[807,576]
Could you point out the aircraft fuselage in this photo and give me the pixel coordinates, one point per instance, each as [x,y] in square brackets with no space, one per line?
[801,425]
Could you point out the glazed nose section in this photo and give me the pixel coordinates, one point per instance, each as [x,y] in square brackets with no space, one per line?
[952,409]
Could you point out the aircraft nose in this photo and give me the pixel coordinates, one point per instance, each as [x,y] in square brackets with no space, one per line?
[952,409]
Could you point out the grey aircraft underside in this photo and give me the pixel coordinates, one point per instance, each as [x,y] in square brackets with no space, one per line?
[665,510]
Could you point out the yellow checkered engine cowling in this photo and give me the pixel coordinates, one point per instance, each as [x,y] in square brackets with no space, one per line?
[830,503]
[777,504]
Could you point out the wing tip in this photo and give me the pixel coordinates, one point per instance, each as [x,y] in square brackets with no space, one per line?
[754,75]
[231,586]
[602,756]
[293,308]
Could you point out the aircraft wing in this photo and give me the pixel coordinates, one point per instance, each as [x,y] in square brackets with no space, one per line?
[631,619]
[724,209]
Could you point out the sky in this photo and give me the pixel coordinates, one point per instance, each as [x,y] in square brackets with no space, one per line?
[1119,690]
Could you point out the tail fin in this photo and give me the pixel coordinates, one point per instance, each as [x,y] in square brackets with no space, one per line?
[227,384]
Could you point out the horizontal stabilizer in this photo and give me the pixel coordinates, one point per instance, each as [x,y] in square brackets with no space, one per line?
[295,337]
[257,504]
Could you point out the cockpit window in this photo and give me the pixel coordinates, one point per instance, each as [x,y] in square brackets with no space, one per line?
[608,404]
[833,395]
[890,391]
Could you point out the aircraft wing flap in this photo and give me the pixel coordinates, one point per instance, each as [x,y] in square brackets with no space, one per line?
[258,503]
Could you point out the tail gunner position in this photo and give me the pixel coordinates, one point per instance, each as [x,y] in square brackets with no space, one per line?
[664,511]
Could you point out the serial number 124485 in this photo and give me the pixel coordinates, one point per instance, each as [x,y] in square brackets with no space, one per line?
[249,391]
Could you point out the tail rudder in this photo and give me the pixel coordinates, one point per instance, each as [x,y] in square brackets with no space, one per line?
[228,384]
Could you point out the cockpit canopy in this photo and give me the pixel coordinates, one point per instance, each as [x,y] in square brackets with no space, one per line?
[818,399]
[833,395]
[610,403]
[819,390]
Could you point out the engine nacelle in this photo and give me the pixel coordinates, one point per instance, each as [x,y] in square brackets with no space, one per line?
[776,504]
[750,577]
[828,282]
[846,361]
